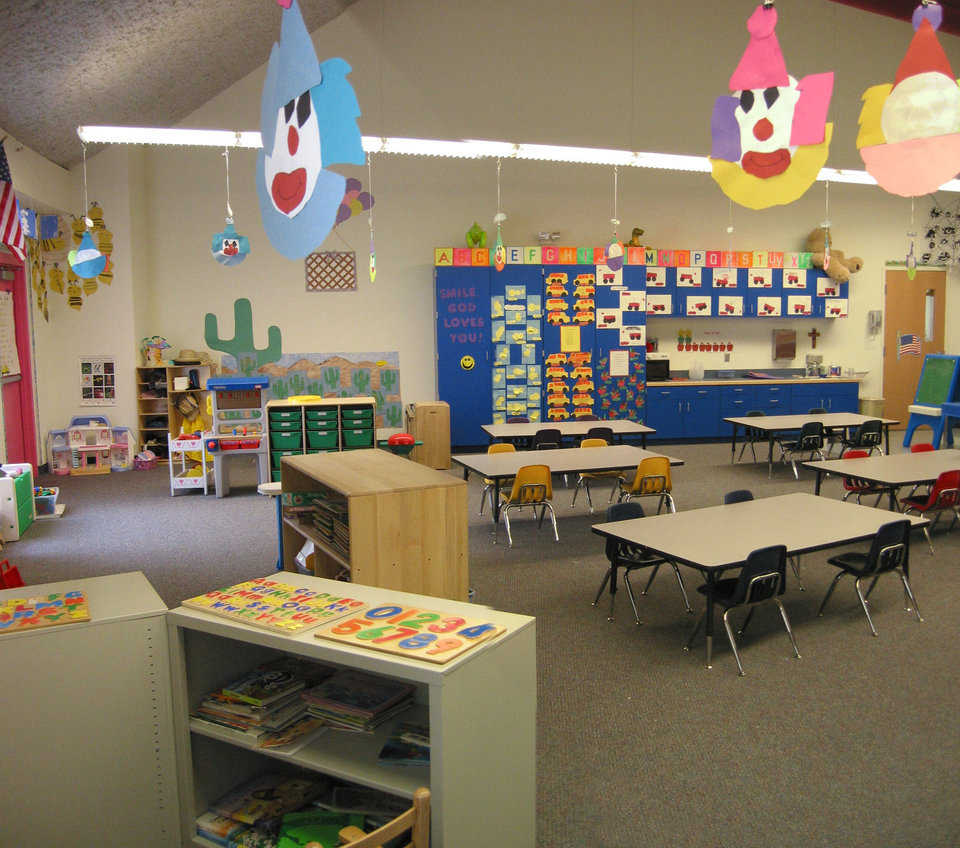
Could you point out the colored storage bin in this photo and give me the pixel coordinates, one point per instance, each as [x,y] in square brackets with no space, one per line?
[284,426]
[285,441]
[356,413]
[329,414]
[292,414]
[275,475]
[322,438]
[362,438]
[280,454]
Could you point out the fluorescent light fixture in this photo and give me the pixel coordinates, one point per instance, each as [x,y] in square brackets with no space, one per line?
[463,149]
[158,135]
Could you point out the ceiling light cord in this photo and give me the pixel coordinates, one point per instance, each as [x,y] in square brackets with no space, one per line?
[226,156]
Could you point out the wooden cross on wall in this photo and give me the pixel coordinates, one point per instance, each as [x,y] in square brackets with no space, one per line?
[814,335]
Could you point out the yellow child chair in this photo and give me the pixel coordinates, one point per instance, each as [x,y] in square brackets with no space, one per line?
[651,480]
[488,484]
[586,476]
[532,487]
[415,821]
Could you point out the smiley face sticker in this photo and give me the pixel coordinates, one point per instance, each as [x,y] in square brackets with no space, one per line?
[467,362]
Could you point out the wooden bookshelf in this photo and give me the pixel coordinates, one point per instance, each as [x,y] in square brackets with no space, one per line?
[407,523]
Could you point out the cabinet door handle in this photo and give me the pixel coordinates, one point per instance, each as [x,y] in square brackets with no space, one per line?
[679,407]
[688,406]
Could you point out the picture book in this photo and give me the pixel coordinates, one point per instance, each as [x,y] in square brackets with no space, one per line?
[267,683]
[275,606]
[217,828]
[267,796]
[29,613]
[436,637]
[304,726]
[351,691]
[398,753]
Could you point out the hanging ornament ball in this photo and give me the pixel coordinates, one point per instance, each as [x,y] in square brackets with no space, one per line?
[730,229]
[932,12]
[615,222]
[615,255]
[229,247]
[499,218]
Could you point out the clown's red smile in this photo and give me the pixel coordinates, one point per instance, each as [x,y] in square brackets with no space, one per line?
[766,165]
[291,169]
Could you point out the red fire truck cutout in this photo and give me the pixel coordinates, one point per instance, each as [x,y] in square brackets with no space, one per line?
[699,306]
[636,336]
[793,279]
[609,278]
[651,276]
[633,305]
[609,319]
[760,280]
[721,281]
[769,308]
[686,279]
[729,308]
[656,307]
[836,310]
[800,309]
[830,291]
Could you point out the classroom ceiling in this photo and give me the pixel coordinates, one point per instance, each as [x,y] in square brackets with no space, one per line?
[127,62]
[903,10]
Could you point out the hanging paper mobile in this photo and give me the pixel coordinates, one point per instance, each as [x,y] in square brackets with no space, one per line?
[87,262]
[769,137]
[909,135]
[229,247]
[499,251]
[308,121]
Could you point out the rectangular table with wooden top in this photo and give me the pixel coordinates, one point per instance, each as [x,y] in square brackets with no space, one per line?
[500,466]
[771,425]
[890,472]
[715,539]
[568,429]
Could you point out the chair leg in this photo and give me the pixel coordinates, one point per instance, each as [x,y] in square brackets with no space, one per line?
[746,622]
[633,600]
[603,585]
[653,574]
[786,623]
[733,642]
[505,512]
[483,497]
[553,521]
[586,485]
[863,603]
[795,565]
[793,465]
[926,532]
[670,502]
[833,585]
[613,490]
[909,591]
[683,589]
[696,630]
[576,491]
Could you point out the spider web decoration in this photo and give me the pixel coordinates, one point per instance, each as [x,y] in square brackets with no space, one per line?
[331,270]
[941,236]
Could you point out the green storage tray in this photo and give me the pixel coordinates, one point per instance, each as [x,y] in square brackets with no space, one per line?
[356,413]
[285,441]
[326,414]
[280,454]
[292,414]
[284,426]
[358,438]
[322,439]
[275,475]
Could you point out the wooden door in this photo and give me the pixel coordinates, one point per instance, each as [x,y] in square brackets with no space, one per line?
[905,312]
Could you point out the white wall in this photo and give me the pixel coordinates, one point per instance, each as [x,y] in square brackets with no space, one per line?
[605,75]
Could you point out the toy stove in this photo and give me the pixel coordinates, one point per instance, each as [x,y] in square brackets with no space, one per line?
[239,413]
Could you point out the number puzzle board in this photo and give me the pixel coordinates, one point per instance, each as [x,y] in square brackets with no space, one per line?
[275,606]
[19,614]
[423,634]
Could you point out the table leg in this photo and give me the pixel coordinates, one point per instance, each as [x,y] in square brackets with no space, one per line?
[279,501]
[733,446]
[496,500]
[466,473]
[708,623]
[816,486]
[886,430]
[770,454]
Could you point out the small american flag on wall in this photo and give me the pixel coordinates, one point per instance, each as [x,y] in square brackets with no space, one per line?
[11,233]
[908,344]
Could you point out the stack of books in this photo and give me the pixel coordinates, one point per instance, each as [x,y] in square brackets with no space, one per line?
[325,511]
[264,707]
[352,700]
[408,745]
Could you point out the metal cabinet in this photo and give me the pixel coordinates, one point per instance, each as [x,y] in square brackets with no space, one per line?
[688,412]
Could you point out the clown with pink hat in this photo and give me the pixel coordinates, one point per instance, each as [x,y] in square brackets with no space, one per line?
[770,137]
[909,135]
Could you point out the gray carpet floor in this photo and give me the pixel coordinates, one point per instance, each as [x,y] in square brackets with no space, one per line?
[855,744]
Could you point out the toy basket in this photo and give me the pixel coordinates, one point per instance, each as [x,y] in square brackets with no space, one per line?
[144,464]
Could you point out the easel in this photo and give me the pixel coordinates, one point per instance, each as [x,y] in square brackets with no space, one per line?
[937,386]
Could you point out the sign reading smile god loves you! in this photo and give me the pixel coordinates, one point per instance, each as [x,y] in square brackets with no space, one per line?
[98,381]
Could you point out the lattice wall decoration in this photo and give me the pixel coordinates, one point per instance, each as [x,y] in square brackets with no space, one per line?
[331,270]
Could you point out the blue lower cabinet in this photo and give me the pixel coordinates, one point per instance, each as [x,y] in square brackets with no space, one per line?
[736,401]
[775,399]
[841,397]
[684,413]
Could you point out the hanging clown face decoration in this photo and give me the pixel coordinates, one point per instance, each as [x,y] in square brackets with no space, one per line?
[909,135]
[229,247]
[308,121]
[770,137]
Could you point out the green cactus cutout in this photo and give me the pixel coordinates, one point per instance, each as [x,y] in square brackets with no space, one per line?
[313,388]
[241,346]
[331,378]
[380,398]
[361,380]
[388,379]
[278,388]
[391,415]
[297,384]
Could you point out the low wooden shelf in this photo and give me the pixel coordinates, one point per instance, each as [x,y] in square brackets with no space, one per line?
[407,523]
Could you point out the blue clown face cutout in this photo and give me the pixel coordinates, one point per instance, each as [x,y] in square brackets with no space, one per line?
[229,247]
[308,121]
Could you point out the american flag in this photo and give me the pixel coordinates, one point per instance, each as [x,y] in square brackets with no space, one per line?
[11,233]
[908,344]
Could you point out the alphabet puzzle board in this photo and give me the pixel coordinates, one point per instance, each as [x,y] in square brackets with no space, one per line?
[275,606]
[436,637]
[19,614]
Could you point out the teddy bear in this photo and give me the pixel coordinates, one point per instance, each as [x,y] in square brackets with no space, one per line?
[840,267]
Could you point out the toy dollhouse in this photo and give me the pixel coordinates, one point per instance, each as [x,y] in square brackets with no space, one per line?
[89,446]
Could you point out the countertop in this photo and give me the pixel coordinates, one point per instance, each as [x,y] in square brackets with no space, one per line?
[756,381]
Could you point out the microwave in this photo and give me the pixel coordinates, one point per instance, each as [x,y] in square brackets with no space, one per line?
[658,370]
